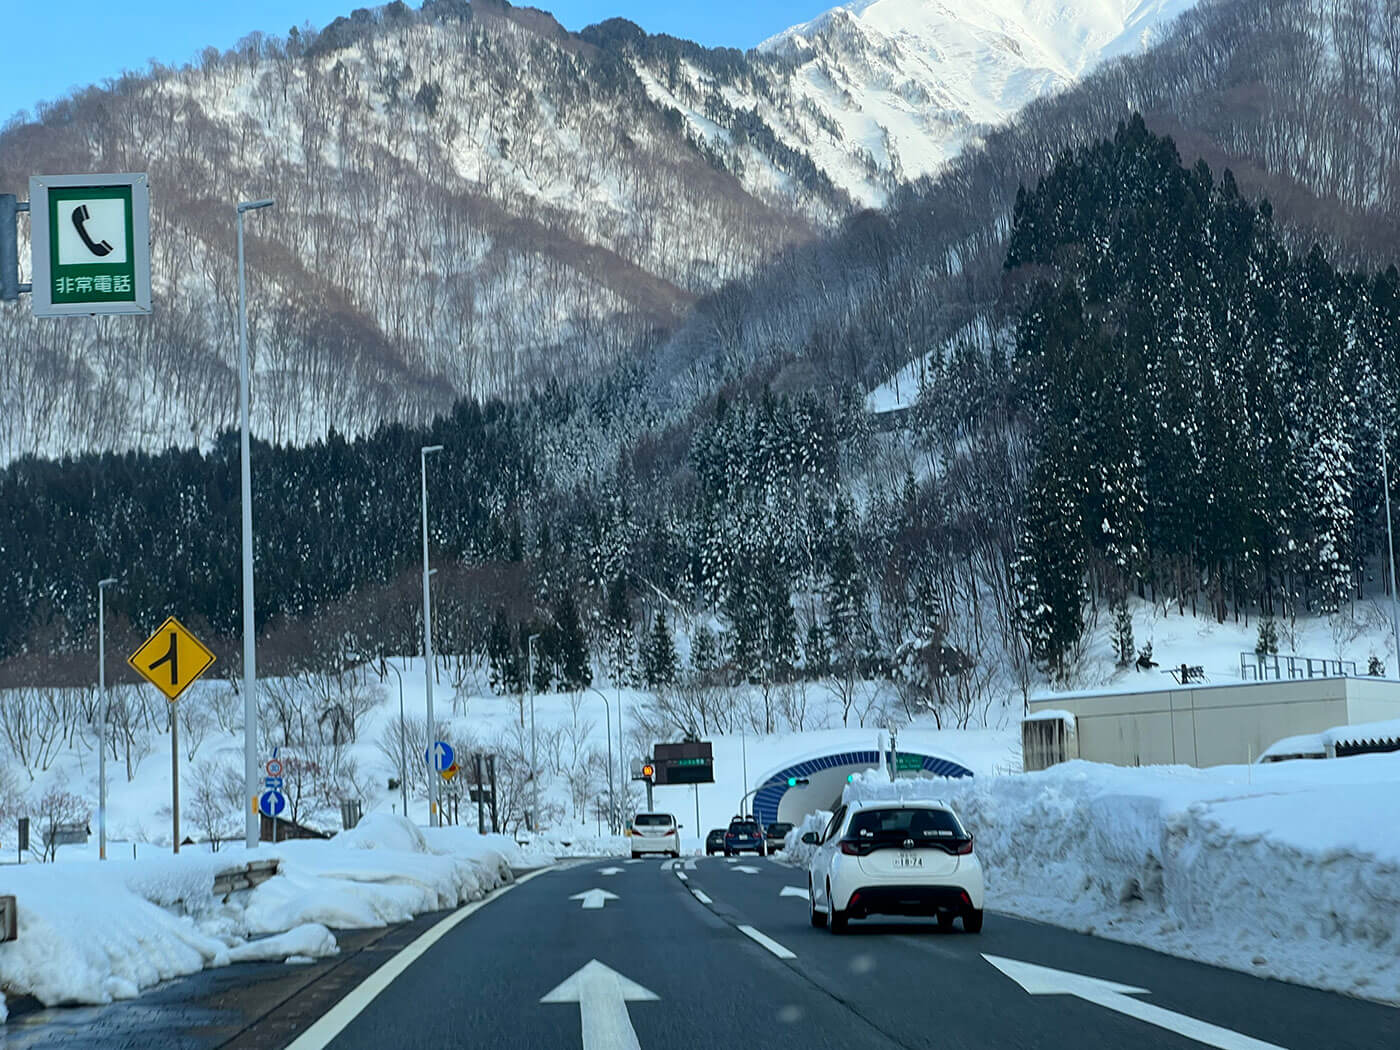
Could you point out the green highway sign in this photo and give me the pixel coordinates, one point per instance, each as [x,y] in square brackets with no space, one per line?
[91,242]
[906,763]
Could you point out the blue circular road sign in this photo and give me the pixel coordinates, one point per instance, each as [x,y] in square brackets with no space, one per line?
[272,803]
[439,756]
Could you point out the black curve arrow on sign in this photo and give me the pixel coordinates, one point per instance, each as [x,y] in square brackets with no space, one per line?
[171,657]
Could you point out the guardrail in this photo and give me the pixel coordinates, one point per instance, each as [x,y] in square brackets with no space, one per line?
[244,877]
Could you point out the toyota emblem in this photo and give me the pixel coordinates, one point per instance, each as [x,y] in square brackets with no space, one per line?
[908,843]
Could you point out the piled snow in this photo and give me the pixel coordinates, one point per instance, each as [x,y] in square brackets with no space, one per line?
[92,933]
[1290,870]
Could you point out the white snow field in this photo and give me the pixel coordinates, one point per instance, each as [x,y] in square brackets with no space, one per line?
[94,933]
[1289,870]
[914,82]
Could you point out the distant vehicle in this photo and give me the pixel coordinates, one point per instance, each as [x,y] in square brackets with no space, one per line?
[654,833]
[744,836]
[714,842]
[777,835]
[894,858]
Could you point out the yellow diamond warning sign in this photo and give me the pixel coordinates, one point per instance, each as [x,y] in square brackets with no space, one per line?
[171,659]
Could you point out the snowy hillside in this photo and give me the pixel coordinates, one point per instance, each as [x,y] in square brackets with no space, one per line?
[913,81]
[545,202]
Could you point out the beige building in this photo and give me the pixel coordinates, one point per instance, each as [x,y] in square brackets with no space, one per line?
[1198,725]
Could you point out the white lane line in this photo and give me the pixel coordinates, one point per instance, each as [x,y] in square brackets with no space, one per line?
[700,896]
[667,865]
[767,942]
[634,860]
[690,864]
[795,891]
[334,1020]
[682,876]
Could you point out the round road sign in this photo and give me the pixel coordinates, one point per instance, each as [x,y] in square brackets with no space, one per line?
[274,768]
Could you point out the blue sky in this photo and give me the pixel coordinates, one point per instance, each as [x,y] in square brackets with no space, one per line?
[51,48]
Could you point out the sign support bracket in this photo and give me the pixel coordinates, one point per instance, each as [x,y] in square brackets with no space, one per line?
[10,287]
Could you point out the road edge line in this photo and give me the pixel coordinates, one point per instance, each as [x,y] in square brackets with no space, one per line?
[701,897]
[335,1020]
[759,937]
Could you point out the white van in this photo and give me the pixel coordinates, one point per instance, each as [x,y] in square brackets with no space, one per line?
[654,833]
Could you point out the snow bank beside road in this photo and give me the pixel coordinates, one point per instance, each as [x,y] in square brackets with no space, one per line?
[1289,871]
[92,933]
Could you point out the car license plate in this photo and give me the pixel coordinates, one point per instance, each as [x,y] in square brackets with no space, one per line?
[909,859]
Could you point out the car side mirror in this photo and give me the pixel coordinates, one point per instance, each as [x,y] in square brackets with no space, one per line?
[811,838]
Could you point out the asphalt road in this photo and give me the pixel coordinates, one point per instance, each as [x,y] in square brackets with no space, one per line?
[663,963]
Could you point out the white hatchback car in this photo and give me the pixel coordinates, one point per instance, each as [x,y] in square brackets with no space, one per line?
[894,858]
[654,833]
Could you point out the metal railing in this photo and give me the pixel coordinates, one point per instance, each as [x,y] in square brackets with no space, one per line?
[1265,667]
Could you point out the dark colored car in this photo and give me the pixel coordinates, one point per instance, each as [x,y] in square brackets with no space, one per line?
[777,835]
[744,836]
[714,842]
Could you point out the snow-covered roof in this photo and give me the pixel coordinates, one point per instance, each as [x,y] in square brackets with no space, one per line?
[1325,742]
[1050,715]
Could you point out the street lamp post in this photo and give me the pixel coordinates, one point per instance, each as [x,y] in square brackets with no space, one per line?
[534,756]
[622,780]
[250,669]
[403,741]
[102,585]
[433,819]
[1390,550]
[612,799]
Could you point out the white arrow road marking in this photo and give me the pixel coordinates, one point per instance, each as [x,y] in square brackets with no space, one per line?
[746,869]
[690,864]
[593,899]
[767,942]
[667,865]
[700,896]
[609,871]
[794,891]
[602,995]
[1041,980]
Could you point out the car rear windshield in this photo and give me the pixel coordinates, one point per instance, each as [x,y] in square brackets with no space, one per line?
[653,820]
[740,828]
[899,825]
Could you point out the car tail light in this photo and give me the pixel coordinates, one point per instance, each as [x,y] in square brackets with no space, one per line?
[852,848]
[963,849]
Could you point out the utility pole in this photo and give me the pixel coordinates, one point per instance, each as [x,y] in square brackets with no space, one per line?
[534,749]
[403,742]
[1390,550]
[622,780]
[480,796]
[102,585]
[491,774]
[607,735]
[250,666]
[433,818]
[744,743]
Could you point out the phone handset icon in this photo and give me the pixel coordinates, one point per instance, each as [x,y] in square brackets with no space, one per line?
[80,220]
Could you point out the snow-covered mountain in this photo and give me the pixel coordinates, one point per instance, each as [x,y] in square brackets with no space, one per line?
[540,204]
[913,81]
